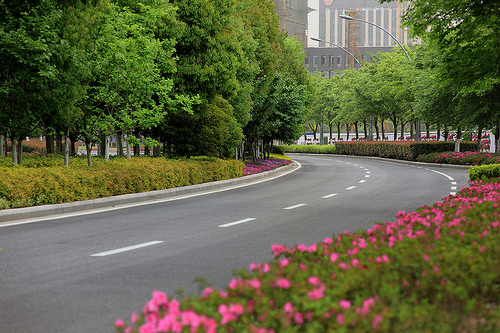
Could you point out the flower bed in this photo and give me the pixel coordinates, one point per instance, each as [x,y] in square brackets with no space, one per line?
[264,165]
[435,269]
[465,158]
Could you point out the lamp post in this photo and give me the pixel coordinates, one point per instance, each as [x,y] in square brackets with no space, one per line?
[348,17]
[321,131]
[343,48]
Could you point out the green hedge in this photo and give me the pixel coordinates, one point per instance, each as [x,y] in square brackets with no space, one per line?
[398,150]
[484,172]
[22,186]
[309,149]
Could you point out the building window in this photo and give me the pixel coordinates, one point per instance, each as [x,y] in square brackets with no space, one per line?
[339,59]
[332,73]
[306,60]
[332,60]
[323,60]
[315,60]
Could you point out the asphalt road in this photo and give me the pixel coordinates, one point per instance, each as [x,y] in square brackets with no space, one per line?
[81,273]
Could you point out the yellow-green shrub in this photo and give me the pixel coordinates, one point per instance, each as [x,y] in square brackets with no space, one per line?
[28,186]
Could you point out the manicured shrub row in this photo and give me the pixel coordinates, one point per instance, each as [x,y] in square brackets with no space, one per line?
[390,149]
[432,270]
[309,149]
[484,172]
[465,158]
[23,186]
[399,150]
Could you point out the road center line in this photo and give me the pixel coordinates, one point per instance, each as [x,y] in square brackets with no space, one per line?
[296,206]
[329,195]
[236,222]
[350,188]
[362,181]
[123,249]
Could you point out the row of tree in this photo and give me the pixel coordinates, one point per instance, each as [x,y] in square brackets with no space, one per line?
[200,77]
[452,81]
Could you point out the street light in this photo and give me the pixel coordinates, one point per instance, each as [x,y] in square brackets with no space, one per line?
[343,48]
[347,17]
[321,133]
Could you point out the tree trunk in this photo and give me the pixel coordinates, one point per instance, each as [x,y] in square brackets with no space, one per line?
[497,140]
[479,139]
[13,141]
[365,130]
[20,152]
[438,134]
[119,143]
[446,133]
[375,123]
[66,148]
[73,148]
[49,144]
[2,145]
[128,147]
[347,130]
[88,145]
[395,130]
[338,131]
[402,130]
[59,144]
[427,133]
[107,139]
[356,128]
[411,132]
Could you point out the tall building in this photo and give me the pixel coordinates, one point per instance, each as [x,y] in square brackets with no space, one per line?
[361,39]
[293,18]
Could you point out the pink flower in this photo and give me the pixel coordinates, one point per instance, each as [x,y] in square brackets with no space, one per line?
[340,319]
[314,280]
[344,304]
[119,323]
[316,294]
[299,318]
[283,283]
[334,257]
[288,307]
[426,257]
[284,263]
[481,249]
[377,320]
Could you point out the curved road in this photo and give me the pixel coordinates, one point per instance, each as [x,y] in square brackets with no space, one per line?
[81,273]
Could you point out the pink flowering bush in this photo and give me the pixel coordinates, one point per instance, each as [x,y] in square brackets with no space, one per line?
[262,165]
[465,158]
[435,269]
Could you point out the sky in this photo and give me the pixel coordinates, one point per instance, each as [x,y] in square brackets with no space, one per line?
[313,23]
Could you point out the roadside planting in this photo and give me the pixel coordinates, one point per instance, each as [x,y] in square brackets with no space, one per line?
[435,269]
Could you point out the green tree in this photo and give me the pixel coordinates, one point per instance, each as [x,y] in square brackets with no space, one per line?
[465,35]
[32,57]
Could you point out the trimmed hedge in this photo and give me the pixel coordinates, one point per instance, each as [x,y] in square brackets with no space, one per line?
[22,186]
[484,172]
[390,149]
[399,150]
[310,149]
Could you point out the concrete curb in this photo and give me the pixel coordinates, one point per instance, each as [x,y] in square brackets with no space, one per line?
[125,199]
[390,160]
